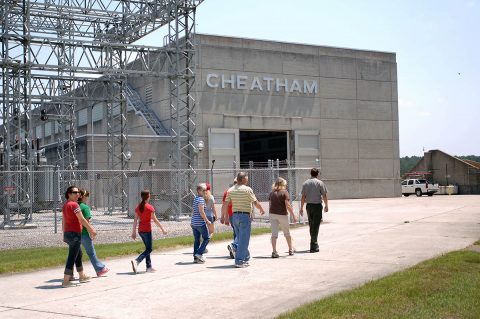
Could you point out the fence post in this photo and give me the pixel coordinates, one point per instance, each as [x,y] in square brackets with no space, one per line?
[56,179]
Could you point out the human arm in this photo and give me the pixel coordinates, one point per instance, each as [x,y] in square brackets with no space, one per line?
[289,207]
[325,200]
[259,207]
[91,231]
[134,231]
[214,210]
[201,210]
[224,211]
[302,202]
[157,222]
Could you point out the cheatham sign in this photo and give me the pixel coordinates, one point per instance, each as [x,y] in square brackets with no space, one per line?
[261,83]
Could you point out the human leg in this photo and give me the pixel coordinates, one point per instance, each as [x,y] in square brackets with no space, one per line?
[205,239]
[274,222]
[196,239]
[74,256]
[285,226]
[147,241]
[314,212]
[235,241]
[242,225]
[87,243]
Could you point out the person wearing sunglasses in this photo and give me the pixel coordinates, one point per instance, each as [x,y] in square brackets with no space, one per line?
[72,235]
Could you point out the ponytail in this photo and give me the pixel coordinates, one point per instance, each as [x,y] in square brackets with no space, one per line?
[145,194]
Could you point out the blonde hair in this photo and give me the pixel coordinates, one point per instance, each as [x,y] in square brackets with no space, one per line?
[83,193]
[207,196]
[279,184]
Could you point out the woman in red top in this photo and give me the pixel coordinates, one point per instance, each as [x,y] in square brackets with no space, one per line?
[145,213]
[72,235]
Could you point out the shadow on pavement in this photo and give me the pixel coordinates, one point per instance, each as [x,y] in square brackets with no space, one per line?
[222,267]
[49,287]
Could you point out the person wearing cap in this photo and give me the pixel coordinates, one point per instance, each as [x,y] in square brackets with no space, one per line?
[313,191]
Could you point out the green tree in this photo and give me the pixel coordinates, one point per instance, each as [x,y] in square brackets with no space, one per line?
[407,163]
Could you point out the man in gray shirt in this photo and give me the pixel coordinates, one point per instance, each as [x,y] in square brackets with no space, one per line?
[313,191]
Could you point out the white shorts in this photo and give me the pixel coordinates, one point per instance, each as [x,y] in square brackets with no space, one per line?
[282,220]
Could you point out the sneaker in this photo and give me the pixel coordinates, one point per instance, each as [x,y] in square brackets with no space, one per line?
[314,250]
[198,259]
[68,284]
[151,269]
[102,272]
[205,251]
[134,265]
[275,255]
[231,251]
[84,279]
[242,265]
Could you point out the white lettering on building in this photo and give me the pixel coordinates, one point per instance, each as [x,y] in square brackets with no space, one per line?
[245,82]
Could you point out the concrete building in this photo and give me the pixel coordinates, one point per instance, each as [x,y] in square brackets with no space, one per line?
[260,100]
[446,170]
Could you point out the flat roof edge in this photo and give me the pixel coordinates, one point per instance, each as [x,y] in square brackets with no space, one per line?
[296,43]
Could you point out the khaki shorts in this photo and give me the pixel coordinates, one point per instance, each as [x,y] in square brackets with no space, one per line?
[282,220]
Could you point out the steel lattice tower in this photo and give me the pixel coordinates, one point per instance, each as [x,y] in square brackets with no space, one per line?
[58,53]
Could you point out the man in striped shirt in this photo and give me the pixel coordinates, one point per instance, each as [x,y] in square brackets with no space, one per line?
[242,197]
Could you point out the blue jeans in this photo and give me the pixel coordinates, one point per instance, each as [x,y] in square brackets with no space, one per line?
[234,242]
[74,252]
[147,241]
[200,231]
[87,243]
[242,225]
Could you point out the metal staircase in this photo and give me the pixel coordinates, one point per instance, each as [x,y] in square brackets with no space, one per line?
[153,121]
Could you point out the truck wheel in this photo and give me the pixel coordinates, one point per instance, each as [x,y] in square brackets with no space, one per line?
[430,194]
[406,195]
[418,192]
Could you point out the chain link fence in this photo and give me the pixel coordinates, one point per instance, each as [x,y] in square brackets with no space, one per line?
[34,219]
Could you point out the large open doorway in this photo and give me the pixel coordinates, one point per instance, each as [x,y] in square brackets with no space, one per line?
[260,146]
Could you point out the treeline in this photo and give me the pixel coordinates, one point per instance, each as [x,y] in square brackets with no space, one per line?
[408,162]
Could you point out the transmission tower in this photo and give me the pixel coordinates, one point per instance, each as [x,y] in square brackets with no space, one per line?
[182,108]
[56,54]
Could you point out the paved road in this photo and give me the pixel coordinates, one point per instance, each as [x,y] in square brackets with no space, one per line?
[360,240]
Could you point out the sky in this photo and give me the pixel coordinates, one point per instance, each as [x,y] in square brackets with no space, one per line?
[437,46]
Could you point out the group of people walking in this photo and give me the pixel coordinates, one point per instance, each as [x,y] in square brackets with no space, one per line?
[237,205]
[237,210]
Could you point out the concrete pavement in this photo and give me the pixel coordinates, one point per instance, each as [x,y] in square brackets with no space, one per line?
[360,240]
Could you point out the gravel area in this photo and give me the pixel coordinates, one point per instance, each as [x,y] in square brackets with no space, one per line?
[110,228]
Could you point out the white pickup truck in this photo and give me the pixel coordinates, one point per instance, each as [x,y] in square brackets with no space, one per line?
[418,187]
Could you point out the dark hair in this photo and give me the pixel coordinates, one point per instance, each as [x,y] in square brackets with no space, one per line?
[314,172]
[145,194]
[83,193]
[69,190]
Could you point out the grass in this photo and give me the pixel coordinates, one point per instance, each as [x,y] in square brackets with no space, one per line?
[444,287]
[21,260]
[477,242]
